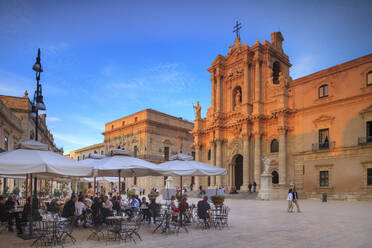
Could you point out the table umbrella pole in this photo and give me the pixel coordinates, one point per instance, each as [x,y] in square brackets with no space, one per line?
[26,193]
[94,186]
[119,191]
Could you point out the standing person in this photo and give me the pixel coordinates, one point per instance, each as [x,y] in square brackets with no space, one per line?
[290,201]
[254,186]
[295,199]
[250,187]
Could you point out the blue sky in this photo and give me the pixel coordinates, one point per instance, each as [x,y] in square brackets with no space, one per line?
[104,60]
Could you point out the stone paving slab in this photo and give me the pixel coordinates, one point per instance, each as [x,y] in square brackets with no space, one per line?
[258,224]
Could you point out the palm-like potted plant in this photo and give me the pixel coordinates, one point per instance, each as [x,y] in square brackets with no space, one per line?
[218,200]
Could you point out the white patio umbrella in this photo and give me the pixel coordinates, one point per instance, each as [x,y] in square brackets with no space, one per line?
[32,157]
[185,165]
[120,163]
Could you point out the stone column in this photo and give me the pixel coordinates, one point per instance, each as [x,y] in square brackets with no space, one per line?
[213,161]
[244,187]
[218,90]
[257,81]
[213,97]
[257,158]
[197,158]
[218,160]
[282,156]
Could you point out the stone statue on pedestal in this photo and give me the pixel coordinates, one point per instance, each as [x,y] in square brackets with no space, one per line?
[266,162]
[198,110]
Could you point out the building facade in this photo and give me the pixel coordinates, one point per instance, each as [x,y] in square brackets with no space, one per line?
[152,136]
[17,126]
[316,130]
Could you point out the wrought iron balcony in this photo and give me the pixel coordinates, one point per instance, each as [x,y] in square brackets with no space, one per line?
[324,146]
[364,141]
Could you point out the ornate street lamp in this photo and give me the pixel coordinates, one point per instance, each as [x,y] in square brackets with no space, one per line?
[38,103]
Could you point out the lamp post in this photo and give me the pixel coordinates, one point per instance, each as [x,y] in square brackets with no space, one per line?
[37,104]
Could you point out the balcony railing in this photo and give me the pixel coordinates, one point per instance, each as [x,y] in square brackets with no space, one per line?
[364,141]
[324,146]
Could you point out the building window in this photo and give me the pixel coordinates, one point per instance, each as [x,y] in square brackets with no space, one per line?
[83,156]
[274,146]
[209,154]
[276,71]
[193,155]
[112,127]
[78,158]
[135,151]
[369,78]
[6,143]
[369,131]
[123,123]
[101,152]
[323,91]
[369,176]
[135,119]
[275,177]
[135,180]
[323,179]
[324,138]
[166,153]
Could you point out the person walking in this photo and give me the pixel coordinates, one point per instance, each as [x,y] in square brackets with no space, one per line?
[295,199]
[254,186]
[250,187]
[290,201]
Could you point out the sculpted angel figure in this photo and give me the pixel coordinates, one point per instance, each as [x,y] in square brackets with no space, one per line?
[266,162]
[198,110]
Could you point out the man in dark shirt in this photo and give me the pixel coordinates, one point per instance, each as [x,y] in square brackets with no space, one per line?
[69,208]
[204,211]
[4,213]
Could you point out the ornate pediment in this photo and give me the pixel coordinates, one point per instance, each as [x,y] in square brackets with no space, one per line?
[323,121]
[218,60]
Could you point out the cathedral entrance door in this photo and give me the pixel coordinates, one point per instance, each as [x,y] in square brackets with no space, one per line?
[238,171]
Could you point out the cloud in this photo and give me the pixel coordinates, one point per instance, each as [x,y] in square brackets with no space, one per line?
[52,119]
[91,123]
[71,139]
[304,66]
[163,78]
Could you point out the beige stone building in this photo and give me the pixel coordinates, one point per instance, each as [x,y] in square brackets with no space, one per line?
[151,135]
[316,130]
[17,126]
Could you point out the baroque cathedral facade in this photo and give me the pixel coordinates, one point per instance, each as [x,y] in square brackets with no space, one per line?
[316,130]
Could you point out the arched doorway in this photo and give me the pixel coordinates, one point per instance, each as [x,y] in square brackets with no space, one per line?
[238,171]
[275,177]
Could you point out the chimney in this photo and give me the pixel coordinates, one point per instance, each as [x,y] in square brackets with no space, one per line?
[276,40]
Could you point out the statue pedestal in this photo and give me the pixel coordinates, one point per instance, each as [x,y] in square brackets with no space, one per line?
[265,187]
[170,183]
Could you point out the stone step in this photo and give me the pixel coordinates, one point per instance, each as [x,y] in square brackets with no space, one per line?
[242,195]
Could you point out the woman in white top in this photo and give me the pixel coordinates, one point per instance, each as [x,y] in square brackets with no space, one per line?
[290,201]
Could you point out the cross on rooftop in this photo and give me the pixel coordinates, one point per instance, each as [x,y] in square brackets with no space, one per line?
[237,27]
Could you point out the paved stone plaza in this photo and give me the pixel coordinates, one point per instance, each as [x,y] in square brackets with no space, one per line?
[260,224]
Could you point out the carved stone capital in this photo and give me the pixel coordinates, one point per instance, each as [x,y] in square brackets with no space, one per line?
[282,130]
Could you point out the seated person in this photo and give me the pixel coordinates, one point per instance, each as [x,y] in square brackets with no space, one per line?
[89,201]
[107,206]
[4,213]
[145,209]
[233,190]
[69,208]
[184,207]
[80,210]
[133,205]
[154,209]
[174,208]
[97,211]
[204,209]
[115,204]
